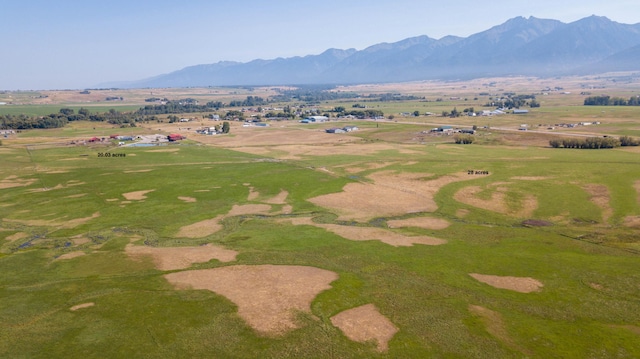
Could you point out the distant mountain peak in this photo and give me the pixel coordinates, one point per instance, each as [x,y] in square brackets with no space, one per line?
[519,46]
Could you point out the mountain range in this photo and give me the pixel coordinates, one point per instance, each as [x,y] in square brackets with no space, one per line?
[520,46]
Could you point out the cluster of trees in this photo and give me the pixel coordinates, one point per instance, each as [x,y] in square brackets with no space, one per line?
[594,142]
[611,101]
[361,114]
[511,101]
[453,113]
[24,122]
[388,97]
[180,106]
[66,115]
[250,101]
[312,94]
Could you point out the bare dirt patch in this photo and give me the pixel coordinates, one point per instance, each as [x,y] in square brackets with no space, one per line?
[518,284]
[636,185]
[81,306]
[268,296]
[171,258]
[365,323]
[599,195]
[137,195]
[496,326]
[420,222]
[391,194]
[202,228]
[355,233]
[187,199]
[71,255]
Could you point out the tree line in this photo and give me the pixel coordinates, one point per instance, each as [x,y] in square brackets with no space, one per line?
[594,142]
[611,101]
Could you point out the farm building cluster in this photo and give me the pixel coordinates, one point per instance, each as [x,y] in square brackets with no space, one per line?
[449,130]
[344,129]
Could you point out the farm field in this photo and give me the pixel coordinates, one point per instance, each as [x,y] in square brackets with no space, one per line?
[289,242]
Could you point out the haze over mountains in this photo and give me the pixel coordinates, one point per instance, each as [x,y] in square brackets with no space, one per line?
[520,46]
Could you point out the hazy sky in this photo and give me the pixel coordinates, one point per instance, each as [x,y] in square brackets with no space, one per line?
[74,44]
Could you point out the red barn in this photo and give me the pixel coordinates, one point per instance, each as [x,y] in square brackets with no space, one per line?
[175,137]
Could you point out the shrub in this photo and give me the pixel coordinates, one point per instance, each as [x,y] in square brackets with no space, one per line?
[463,139]
[629,141]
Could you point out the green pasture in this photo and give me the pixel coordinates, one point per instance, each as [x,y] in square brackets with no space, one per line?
[589,305]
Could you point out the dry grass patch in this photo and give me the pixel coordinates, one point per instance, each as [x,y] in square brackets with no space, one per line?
[76,195]
[280,198]
[80,240]
[165,150]
[636,185]
[497,201]
[370,234]
[365,323]
[496,326]
[530,178]
[367,166]
[268,296]
[247,209]
[420,222]
[58,222]
[632,328]
[202,228]
[518,284]
[17,236]
[81,306]
[171,258]
[391,194]
[137,195]
[347,147]
[14,181]
[138,171]
[632,221]
[599,195]
[253,194]
[187,199]
[71,255]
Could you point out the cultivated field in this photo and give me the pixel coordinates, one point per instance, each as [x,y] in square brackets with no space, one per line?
[289,242]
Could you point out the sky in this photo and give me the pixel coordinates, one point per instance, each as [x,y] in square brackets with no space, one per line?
[77,44]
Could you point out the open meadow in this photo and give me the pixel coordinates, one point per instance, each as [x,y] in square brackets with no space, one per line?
[289,242]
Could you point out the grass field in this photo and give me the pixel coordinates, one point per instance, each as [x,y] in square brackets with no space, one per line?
[293,207]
